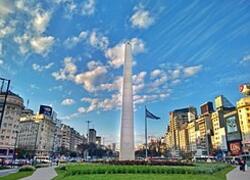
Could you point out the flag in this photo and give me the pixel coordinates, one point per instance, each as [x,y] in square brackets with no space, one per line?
[151,115]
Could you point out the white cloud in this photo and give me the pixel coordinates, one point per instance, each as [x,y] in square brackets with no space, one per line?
[23,42]
[115,85]
[87,79]
[41,68]
[68,102]
[138,82]
[7,27]
[98,41]
[141,18]
[6,8]
[155,73]
[245,59]
[116,53]
[59,88]
[68,72]
[192,70]
[93,64]
[73,41]
[1,62]
[88,7]
[42,45]
[137,45]
[81,110]
[40,20]
[94,39]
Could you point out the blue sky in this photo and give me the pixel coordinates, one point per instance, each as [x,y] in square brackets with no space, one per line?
[68,54]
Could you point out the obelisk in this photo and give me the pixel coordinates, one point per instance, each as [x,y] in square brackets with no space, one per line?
[127,116]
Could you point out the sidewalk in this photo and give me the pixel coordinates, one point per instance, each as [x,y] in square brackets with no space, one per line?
[236,174]
[42,174]
[6,172]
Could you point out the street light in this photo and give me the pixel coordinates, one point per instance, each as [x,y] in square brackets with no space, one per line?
[14,151]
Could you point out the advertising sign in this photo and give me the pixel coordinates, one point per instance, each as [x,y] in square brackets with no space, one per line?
[231,124]
[235,148]
[46,110]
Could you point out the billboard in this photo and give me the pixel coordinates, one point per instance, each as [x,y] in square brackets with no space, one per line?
[231,124]
[235,148]
[46,110]
[245,89]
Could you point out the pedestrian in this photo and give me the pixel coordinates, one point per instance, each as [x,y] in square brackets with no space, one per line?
[241,164]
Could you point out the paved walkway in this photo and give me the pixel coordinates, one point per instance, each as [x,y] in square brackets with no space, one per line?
[6,172]
[236,174]
[42,174]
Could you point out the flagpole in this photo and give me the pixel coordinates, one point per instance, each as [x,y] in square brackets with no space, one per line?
[146,134]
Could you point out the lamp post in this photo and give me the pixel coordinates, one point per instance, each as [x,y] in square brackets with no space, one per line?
[14,151]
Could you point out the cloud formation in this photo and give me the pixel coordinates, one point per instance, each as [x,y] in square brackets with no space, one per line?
[68,102]
[115,54]
[40,68]
[141,18]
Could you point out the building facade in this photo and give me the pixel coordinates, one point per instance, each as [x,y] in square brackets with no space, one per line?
[37,134]
[243,108]
[92,136]
[10,123]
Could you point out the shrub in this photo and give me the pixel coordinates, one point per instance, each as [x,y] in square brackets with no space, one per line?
[63,168]
[27,168]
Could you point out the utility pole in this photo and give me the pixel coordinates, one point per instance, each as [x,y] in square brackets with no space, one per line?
[5,96]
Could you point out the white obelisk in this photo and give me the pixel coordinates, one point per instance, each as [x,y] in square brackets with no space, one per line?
[127,117]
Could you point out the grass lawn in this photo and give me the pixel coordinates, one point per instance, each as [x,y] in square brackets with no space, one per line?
[17,175]
[221,175]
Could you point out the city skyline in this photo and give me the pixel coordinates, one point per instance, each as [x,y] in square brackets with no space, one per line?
[68,54]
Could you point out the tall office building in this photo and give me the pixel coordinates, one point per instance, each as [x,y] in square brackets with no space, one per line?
[66,135]
[233,132]
[192,136]
[243,108]
[221,102]
[183,137]
[204,133]
[178,119]
[207,107]
[127,117]
[37,134]
[92,136]
[10,123]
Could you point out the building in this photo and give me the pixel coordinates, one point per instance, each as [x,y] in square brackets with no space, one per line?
[66,135]
[37,134]
[71,139]
[92,136]
[207,107]
[192,136]
[204,132]
[10,123]
[243,108]
[219,132]
[178,118]
[98,140]
[183,137]
[113,147]
[75,140]
[57,143]
[221,102]
[233,133]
